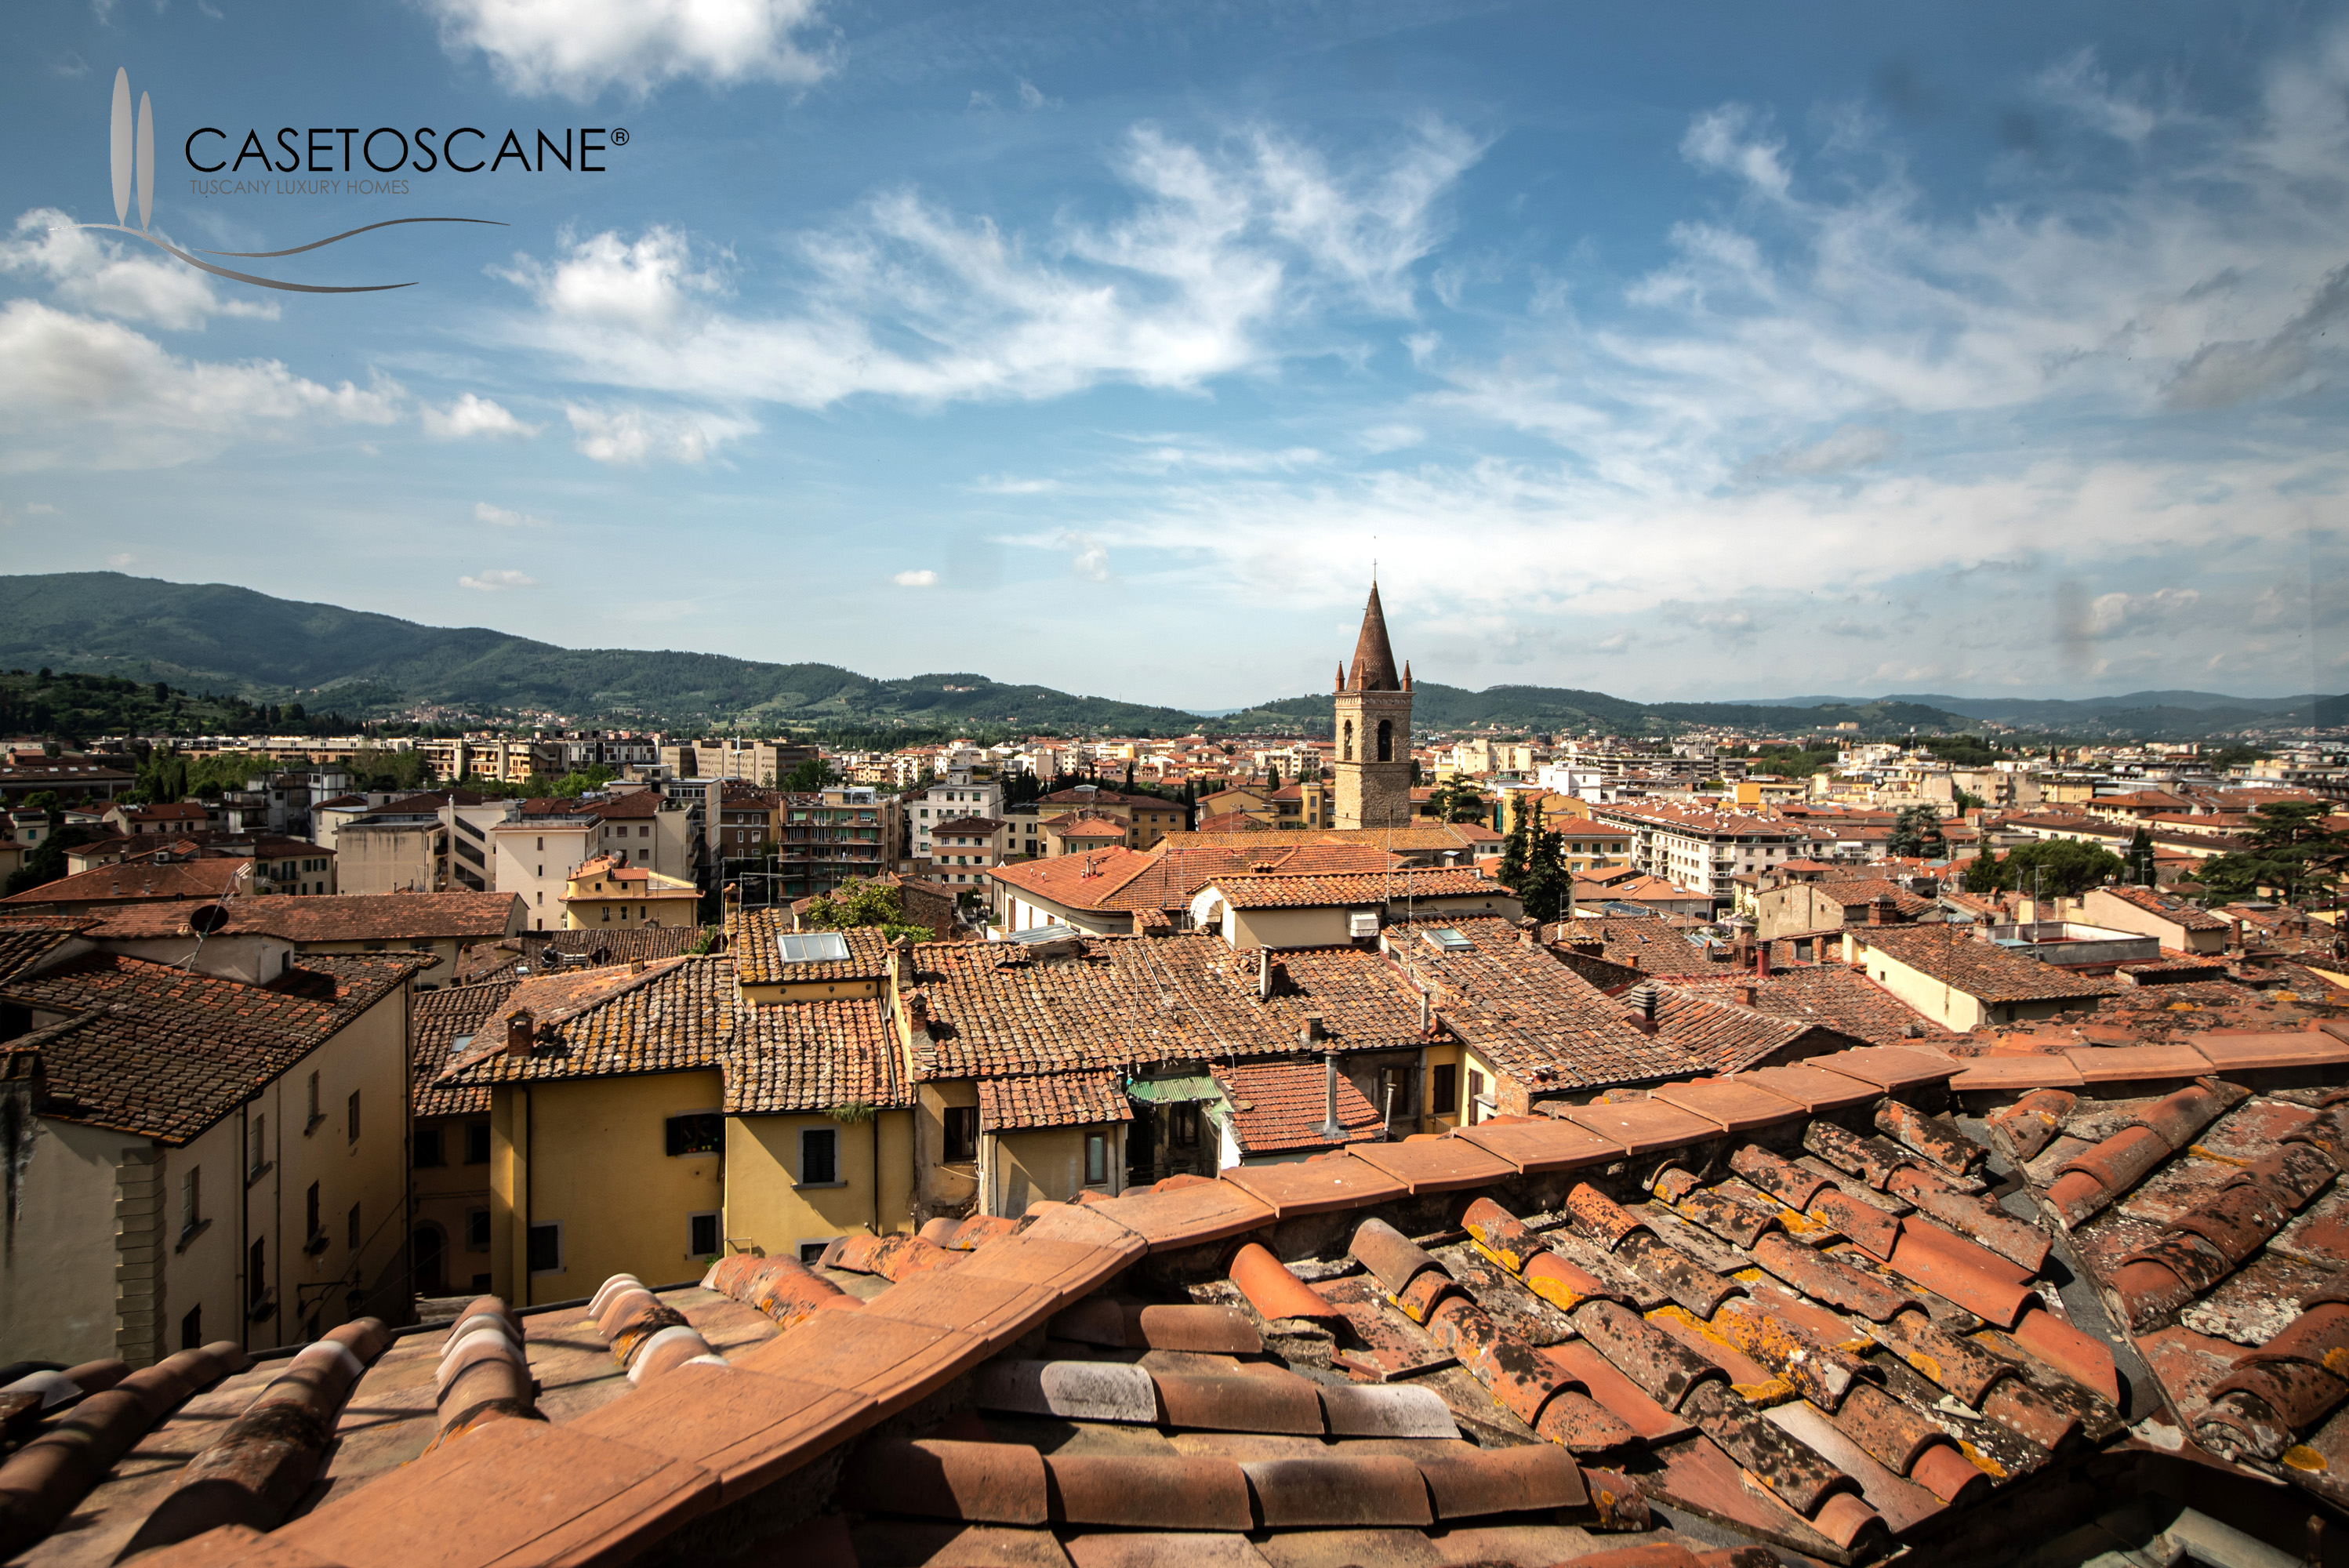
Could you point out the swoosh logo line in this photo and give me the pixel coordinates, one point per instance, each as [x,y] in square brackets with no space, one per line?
[330,239]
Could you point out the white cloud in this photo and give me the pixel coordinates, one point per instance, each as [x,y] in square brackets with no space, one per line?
[1380,438]
[497,581]
[88,271]
[472,416]
[1829,294]
[629,437]
[1228,255]
[1088,556]
[1032,97]
[501,517]
[921,579]
[1007,484]
[120,559]
[579,47]
[87,394]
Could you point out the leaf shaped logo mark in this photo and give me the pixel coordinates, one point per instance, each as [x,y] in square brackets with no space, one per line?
[131,142]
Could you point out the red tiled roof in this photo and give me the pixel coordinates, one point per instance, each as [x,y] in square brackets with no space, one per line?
[1982,970]
[1281,891]
[438,1019]
[1788,1394]
[1278,1108]
[815,1055]
[149,1049]
[1828,995]
[136,881]
[335,917]
[2183,915]
[1051,1099]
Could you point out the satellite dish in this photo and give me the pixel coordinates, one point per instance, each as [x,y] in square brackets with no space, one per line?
[208,919]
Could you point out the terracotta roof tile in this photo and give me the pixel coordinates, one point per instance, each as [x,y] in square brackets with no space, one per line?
[437,1020]
[338,917]
[1280,1107]
[815,1055]
[1355,890]
[151,1049]
[750,940]
[1980,969]
[1052,1100]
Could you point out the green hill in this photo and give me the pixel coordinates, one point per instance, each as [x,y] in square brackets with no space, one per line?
[254,649]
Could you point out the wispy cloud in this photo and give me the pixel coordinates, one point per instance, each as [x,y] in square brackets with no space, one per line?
[503,516]
[1225,252]
[86,270]
[81,393]
[472,415]
[499,581]
[631,436]
[921,578]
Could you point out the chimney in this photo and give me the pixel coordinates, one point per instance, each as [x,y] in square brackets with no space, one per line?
[521,1029]
[1264,974]
[1309,1032]
[1330,1128]
[1761,961]
[636,965]
[1880,911]
[1426,1015]
[1746,995]
[1643,997]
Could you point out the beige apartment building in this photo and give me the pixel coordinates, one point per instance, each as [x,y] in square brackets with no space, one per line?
[256,1194]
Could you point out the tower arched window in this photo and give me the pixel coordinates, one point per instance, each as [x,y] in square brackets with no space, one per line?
[1346,746]
[1386,740]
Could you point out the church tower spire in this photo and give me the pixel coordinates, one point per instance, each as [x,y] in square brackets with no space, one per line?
[1373,731]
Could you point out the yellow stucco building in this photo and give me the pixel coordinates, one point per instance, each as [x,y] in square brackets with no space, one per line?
[606,891]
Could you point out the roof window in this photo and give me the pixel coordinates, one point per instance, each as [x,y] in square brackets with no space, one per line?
[1448,940]
[811,946]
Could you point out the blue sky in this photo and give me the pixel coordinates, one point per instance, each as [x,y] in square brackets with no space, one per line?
[1694,351]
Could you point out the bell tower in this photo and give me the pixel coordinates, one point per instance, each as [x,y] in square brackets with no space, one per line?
[1373,731]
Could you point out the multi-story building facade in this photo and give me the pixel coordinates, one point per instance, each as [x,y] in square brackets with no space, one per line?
[960,795]
[1704,850]
[834,835]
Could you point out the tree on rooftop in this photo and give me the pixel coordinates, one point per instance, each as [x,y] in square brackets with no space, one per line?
[2140,857]
[2290,847]
[1457,800]
[1272,776]
[860,904]
[811,774]
[2055,868]
[1984,873]
[1916,834]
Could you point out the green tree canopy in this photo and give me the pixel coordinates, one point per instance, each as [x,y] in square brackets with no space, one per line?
[2055,868]
[2289,847]
[1458,800]
[859,905]
[1916,834]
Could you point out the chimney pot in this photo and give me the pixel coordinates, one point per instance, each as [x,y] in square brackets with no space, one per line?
[1263,973]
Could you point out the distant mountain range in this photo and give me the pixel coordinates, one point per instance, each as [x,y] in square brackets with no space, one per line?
[236,642]
[2166,714]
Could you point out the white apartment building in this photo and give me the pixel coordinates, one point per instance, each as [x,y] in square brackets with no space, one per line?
[535,858]
[1704,850]
[962,795]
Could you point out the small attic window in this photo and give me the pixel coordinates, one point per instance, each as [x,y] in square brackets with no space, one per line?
[811,947]
[1448,940]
